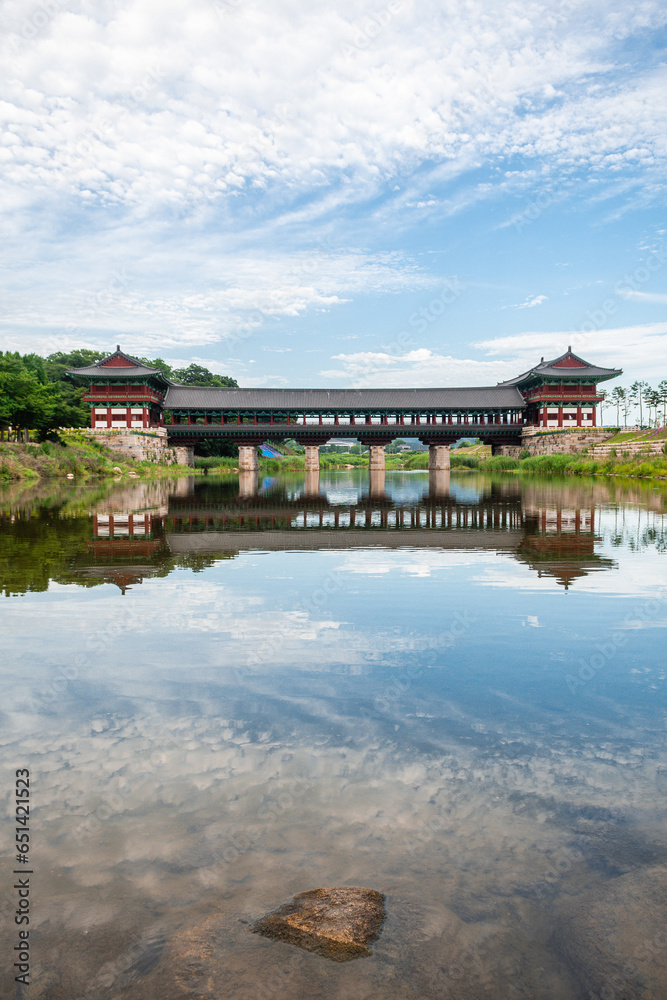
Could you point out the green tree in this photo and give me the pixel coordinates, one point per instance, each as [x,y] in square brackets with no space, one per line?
[652,400]
[58,363]
[637,390]
[72,412]
[662,389]
[197,375]
[25,402]
[618,396]
[158,363]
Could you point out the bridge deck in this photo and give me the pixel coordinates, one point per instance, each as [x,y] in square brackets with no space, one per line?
[251,433]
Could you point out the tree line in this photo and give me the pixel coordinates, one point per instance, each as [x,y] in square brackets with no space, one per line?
[651,403]
[35,395]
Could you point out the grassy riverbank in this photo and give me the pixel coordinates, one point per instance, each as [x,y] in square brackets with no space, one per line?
[328,460]
[480,458]
[637,466]
[77,456]
[82,457]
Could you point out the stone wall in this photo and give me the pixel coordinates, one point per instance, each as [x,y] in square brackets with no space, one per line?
[564,442]
[644,446]
[143,446]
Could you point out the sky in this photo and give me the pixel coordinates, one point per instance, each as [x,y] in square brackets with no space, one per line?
[359,194]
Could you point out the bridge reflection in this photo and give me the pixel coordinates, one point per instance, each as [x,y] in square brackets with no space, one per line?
[554,533]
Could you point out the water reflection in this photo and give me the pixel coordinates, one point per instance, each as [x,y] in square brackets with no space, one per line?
[452,692]
[151,529]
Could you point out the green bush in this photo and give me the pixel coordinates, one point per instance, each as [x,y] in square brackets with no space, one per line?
[547,463]
[417,460]
[464,461]
[499,463]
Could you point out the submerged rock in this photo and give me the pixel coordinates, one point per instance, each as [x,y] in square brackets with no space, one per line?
[338,923]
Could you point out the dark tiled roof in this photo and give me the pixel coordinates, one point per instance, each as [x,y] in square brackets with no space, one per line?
[135,370]
[97,371]
[546,369]
[419,400]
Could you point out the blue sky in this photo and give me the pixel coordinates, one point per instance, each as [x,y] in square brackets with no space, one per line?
[370,194]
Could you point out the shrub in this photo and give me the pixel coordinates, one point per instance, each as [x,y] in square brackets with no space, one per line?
[502,463]
[419,460]
[462,461]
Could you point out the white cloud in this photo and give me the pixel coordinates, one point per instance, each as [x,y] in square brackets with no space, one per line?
[198,144]
[530,303]
[654,297]
[147,301]
[420,367]
[632,348]
[411,563]
[140,103]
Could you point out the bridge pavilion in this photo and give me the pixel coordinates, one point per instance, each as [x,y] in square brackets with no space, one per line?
[124,393]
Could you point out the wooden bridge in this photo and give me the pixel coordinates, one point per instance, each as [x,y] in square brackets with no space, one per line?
[124,393]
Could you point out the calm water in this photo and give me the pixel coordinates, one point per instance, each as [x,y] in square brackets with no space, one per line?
[451,692]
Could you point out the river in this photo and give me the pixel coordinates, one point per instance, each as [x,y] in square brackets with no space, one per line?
[227,692]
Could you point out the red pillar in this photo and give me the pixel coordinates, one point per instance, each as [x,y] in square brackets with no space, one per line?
[108,417]
[578,416]
[595,416]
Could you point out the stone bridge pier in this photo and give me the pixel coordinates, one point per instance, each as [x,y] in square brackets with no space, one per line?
[376,458]
[248,461]
[312,457]
[185,455]
[438,458]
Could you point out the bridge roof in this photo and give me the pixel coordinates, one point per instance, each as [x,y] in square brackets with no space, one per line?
[568,367]
[204,397]
[120,366]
